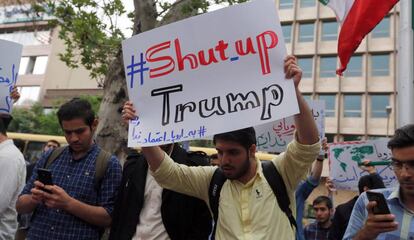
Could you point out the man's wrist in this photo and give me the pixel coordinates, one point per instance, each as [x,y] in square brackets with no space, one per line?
[320,158]
[69,204]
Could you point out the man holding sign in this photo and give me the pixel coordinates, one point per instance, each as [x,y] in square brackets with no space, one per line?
[247,209]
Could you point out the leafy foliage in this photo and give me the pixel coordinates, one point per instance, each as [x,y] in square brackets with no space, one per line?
[92,34]
[89,31]
[37,120]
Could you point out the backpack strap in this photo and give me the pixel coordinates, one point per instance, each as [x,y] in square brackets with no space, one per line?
[53,156]
[278,186]
[216,184]
[101,165]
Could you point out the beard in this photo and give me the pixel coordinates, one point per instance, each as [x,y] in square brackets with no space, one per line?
[244,168]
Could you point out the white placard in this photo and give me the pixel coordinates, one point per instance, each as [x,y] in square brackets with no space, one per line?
[345,156]
[274,136]
[9,68]
[208,74]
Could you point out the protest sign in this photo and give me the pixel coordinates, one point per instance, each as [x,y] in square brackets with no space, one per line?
[9,68]
[274,136]
[208,74]
[345,156]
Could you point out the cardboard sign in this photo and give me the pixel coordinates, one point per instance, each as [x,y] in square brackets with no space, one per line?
[275,136]
[9,68]
[345,156]
[213,73]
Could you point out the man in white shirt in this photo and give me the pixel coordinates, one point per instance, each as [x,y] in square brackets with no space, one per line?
[12,180]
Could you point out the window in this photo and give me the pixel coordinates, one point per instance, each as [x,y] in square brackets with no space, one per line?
[24,62]
[40,65]
[306,32]
[28,38]
[352,138]
[33,65]
[287,32]
[307,96]
[379,104]
[285,4]
[327,67]
[329,31]
[307,3]
[380,65]
[382,30]
[374,137]
[354,68]
[306,64]
[330,137]
[352,106]
[330,102]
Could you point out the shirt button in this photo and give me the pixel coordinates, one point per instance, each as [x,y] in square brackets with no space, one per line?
[57,210]
[68,176]
[52,228]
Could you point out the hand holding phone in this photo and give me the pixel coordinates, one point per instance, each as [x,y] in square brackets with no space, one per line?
[382,206]
[45,176]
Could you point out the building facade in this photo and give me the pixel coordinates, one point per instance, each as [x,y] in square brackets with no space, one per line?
[361,104]
[42,76]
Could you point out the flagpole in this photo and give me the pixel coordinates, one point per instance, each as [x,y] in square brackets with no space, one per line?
[405,83]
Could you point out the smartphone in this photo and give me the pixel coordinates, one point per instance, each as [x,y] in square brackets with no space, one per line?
[382,206]
[45,176]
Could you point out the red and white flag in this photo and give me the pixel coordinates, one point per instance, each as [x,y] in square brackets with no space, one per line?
[358,18]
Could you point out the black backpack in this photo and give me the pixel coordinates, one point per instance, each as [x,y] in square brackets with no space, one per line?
[275,181]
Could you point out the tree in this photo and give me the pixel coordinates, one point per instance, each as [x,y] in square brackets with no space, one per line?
[93,39]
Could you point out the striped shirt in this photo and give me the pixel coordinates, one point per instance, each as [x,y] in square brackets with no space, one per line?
[76,177]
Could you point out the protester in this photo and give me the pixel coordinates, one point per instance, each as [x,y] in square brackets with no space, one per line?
[24,219]
[12,179]
[323,209]
[248,209]
[51,144]
[343,211]
[364,224]
[81,200]
[145,211]
[306,187]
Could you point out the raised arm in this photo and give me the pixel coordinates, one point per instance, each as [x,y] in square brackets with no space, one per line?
[153,155]
[317,167]
[307,132]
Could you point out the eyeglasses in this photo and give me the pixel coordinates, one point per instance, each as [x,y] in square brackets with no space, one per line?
[397,165]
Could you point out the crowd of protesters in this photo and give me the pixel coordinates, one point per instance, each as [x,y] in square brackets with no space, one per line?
[79,191]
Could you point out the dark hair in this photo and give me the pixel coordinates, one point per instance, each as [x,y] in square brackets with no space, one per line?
[403,137]
[214,156]
[370,181]
[76,108]
[245,137]
[5,120]
[53,141]
[323,199]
